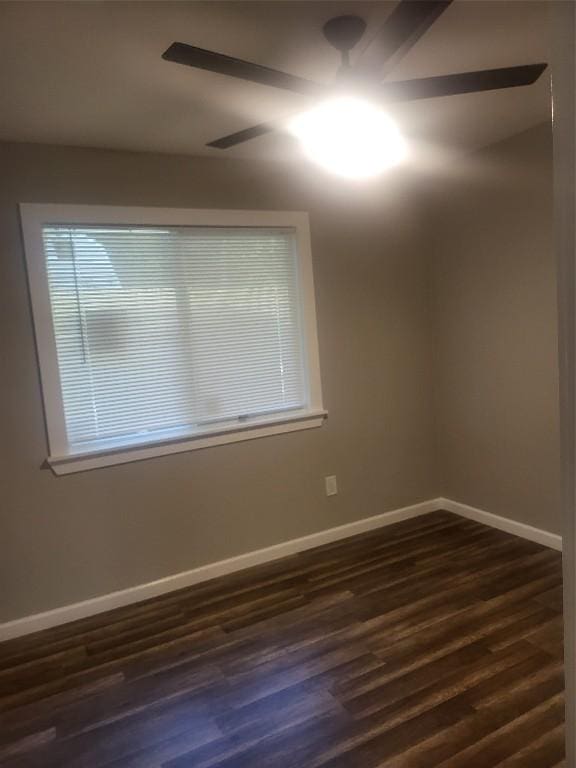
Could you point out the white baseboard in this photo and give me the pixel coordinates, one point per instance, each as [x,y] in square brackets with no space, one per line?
[502,523]
[67,613]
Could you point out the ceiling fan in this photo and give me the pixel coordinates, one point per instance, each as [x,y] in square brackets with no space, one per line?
[409,20]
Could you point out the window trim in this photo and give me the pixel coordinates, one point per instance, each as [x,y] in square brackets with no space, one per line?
[60,458]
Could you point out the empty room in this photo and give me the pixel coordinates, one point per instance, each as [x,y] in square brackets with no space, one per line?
[286,384]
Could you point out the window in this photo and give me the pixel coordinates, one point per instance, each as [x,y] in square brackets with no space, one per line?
[161,330]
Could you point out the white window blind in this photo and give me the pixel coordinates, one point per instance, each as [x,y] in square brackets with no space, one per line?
[167,330]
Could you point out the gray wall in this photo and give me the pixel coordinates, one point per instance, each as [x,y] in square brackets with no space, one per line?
[70,538]
[494,289]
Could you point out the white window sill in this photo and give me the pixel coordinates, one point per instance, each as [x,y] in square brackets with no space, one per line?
[109,455]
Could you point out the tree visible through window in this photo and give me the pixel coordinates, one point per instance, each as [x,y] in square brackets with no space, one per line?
[161,329]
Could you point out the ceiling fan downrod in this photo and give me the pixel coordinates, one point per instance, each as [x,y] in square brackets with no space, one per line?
[343,33]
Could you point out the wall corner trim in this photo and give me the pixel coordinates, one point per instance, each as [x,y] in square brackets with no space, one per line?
[67,613]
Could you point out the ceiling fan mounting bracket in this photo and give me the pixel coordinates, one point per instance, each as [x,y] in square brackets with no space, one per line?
[343,32]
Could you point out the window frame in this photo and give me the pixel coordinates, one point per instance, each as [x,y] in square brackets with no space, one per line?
[61,458]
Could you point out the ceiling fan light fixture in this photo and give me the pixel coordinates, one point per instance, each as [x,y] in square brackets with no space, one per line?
[350,137]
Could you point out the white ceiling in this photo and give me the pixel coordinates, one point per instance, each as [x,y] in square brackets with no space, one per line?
[90,73]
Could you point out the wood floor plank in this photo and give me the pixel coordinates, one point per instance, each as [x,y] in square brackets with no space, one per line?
[543,752]
[433,643]
[510,739]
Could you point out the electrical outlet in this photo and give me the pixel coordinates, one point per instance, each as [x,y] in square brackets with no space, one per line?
[331,485]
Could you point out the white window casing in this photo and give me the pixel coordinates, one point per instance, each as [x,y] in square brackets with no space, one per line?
[164,330]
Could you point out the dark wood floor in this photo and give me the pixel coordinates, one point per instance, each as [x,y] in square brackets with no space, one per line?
[434,642]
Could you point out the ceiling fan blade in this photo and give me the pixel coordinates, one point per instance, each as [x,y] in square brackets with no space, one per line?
[401,30]
[463,82]
[181,53]
[241,136]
